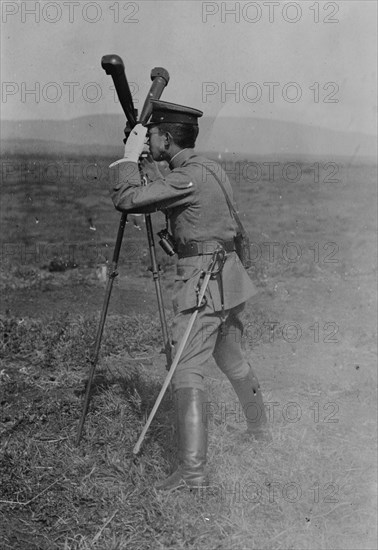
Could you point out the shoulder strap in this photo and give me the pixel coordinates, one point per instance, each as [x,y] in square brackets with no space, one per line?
[231,207]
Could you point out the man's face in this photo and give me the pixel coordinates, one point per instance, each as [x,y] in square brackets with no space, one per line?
[157,142]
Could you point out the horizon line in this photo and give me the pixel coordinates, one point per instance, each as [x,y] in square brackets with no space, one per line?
[205,117]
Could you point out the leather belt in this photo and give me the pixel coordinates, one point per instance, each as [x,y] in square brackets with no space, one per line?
[194,248]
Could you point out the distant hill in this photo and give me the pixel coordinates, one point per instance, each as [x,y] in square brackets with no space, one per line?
[103,134]
[43,148]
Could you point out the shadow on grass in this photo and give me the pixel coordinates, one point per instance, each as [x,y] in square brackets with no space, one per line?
[138,392]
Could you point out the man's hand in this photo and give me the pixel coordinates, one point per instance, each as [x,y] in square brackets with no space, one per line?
[135,143]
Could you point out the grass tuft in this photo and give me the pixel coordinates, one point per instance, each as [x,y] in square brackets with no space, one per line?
[99,495]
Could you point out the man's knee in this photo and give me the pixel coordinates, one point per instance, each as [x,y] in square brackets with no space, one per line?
[187,378]
[237,371]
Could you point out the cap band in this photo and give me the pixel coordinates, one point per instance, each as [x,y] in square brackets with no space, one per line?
[165,112]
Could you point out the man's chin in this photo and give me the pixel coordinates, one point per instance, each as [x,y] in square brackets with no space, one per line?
[158,157]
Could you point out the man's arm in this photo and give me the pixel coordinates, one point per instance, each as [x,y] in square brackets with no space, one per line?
[129,195]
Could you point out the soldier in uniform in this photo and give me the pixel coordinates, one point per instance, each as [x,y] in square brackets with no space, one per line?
[200,221]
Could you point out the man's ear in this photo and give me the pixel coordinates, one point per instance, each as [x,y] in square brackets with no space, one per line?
[167,140]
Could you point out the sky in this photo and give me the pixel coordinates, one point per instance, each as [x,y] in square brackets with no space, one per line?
[309,62]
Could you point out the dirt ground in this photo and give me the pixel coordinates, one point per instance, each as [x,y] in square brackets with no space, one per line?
[310,332]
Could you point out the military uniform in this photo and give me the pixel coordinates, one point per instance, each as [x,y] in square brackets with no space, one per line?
[199,220]
[198,212]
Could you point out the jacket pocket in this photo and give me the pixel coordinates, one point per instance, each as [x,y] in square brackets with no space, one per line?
[187,268]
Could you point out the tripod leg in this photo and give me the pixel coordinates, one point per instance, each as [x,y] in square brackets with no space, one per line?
[112,275]
[155,273]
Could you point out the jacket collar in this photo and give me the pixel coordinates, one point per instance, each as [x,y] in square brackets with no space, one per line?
[180,158]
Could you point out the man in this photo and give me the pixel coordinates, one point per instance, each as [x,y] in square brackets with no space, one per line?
[201,222]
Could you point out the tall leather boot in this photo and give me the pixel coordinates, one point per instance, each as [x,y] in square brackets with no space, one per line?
[248,391]
[192,441]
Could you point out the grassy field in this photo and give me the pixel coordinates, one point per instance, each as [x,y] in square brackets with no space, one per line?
[310,334]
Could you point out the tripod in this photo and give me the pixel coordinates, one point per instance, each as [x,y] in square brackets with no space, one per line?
[113,65]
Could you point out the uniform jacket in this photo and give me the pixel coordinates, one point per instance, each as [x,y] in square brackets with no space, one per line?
[197,211]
